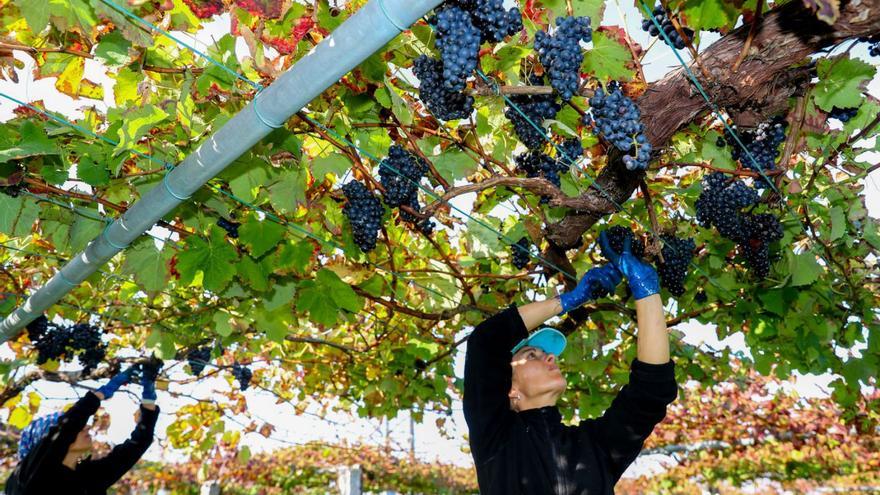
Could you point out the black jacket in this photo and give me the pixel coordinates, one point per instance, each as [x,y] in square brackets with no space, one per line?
[42,473]
[532,452]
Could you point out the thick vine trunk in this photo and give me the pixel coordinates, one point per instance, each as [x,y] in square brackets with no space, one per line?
[761,86]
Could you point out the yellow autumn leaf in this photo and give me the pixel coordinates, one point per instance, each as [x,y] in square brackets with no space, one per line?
[71,78]
[34,400]
[20,417]
[89,89]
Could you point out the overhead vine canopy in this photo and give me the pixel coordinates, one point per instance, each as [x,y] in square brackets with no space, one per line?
[498,180]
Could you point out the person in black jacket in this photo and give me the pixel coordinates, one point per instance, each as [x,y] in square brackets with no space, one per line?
[53,450]
[512,383]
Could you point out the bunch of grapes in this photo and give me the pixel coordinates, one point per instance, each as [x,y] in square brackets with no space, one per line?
[364,212]
[570,151]
[489,16]
[677,254]
[561,54]
[400,174]
[198,358]
[527,110]
[459,44]
[229,226]
[440,101]
[762,143]
[616,237]
[243,374]
[149,370]
[660,16]
[425,225]
[720,205]
[264,8]
[843,114]
[537,164]
[873,45]
[12,190]
[205,9]
[761,229]
[86,341]
[521,254]
[615,118]
[62,343]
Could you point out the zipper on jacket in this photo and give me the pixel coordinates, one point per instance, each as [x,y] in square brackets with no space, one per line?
[556,469]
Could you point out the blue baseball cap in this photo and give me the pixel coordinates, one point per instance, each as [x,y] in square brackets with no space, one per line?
[549,340]
[34,433]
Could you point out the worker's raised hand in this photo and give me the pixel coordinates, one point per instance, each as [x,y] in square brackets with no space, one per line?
[597,282]
[642,278]
[149,373]
[115,383]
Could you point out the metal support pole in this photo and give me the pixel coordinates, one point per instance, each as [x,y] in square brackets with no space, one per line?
[365,32]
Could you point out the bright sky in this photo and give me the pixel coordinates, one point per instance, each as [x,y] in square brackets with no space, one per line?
[290,428]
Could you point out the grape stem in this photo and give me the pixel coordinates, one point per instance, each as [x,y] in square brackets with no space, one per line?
[748,43]
[655,225]
[537,185]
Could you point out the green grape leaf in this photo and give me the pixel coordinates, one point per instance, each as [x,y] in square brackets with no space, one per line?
[147,264]
[290,190]
[84,230]
[113,49]
[341,293]
[281,296]
[253,273]
[35,13]
[454,164]
[704,14]
[214,258]
[313,298]
[804,269]
[335,163]
[608,59]
[92,172]
[33,142]
[128,28]
[841,81]
[296,255]
[260,236]
[138,123]
[17,215]
[222,323]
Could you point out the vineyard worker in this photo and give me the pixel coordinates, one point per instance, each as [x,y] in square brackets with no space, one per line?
[53,450]
[512,383]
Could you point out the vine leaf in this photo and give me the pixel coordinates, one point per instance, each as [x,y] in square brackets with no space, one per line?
[826,10]
[213,258]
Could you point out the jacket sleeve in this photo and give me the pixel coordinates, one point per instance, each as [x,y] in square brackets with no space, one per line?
[638,407]
[51,450]
[101,473]
[487,381]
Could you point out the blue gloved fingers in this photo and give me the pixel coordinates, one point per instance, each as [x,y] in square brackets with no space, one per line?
[608,281]
[627,245]
[607,249]
[117,381]
[149,390]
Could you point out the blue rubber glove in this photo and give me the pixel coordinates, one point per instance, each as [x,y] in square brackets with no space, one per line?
[642,278]
[597,282]
[117,381]
[149,371]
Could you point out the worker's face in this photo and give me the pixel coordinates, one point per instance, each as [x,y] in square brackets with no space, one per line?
[535,374]
[83,442]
